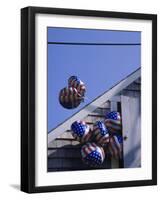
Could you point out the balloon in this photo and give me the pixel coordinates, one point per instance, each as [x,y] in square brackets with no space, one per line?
[113,121]
[115,146]
[92,154]
[75,82]
[101,133]
[81,131]
[69,98]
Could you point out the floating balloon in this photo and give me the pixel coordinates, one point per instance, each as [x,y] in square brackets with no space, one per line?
[101,133]
[113,121]
[81,131]
[115,146]
[75,82]
[69,98]
[92,154]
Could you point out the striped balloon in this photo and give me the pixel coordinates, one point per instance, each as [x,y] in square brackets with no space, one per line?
[81,131]
[101,133]
[92,154]
[69,98]
[75,82]
[115,146]
[113,121]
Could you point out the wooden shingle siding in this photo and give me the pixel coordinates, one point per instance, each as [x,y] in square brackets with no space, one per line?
[74,163]
[68,157]
[98,113]
[134,86]
[138,81]
[58,143]
[65,152]
[101,111]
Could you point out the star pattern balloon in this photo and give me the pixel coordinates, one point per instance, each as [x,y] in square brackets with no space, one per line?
[81,131]
[75,82]
[92,154]
[101,133]
[113,121]
[70,97]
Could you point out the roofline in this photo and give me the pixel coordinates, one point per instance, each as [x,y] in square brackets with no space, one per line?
[94,104]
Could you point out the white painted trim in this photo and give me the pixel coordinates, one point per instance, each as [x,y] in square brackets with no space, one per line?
[116,98]
[96,103]
[114,161]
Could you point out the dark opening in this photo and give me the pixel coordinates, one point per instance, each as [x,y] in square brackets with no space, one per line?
[121,161]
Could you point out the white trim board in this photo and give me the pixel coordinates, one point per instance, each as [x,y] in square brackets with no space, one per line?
[92,106]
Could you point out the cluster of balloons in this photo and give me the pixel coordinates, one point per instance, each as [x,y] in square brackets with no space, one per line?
[103,139]
[71,96]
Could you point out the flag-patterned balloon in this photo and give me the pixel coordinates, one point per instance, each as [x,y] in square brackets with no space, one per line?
[75,82]
[81,131]
[101,133]
[69,98]
[92,154]
[115,146]
[113,121]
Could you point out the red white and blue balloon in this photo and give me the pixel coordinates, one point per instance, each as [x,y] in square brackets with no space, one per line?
[92,154]
[115,146]
[81,131]
[113,121]
[101,133]
[76,82]
[69,98]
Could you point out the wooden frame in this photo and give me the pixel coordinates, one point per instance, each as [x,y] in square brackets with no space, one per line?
[28,99]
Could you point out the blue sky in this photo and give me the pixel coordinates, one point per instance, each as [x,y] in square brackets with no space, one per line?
[99,67]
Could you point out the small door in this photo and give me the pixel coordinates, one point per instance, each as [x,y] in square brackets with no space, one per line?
[131,121]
